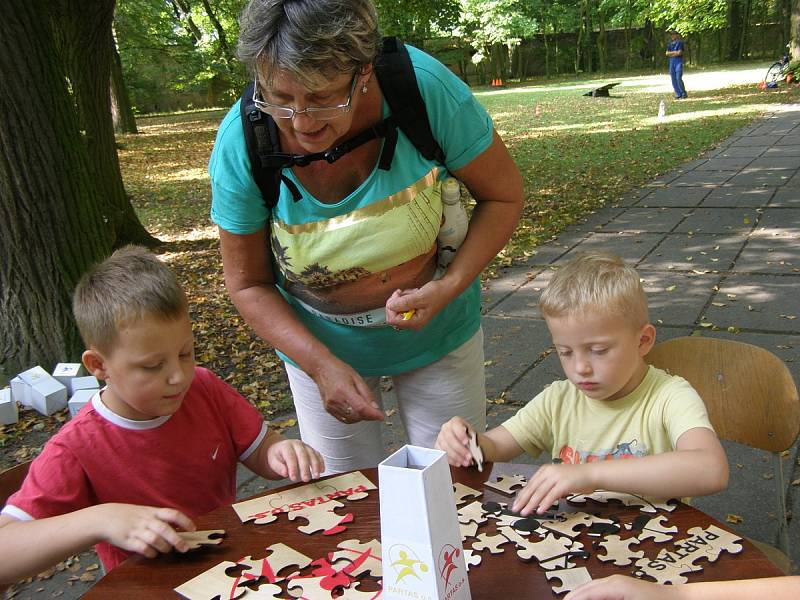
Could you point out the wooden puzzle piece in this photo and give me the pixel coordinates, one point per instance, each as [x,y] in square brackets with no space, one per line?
[209,537]
[619,550]
[570,579]
[353,593]
[322,518]
[665,571]
[463,492]
[472,513]
[280,556]
[567,523]
[309,588]
[491,543]
[602,527]
[265,509]
[500,512]
[551,552]
[648,505]
[718,539]
[364,558]
[468,530]
[653,529]
[333,573]
[475,451]
[226,580]
[507,484]
[472,559]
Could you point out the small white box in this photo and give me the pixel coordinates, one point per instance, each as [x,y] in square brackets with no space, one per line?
[34,375]
[65,372]
[80,399]
[420,538]
[48,395]
[20,391]
[83,383]
[9,412]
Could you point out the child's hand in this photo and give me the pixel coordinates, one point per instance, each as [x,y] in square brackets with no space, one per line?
[146,530]
[295,460]
[453,438]
[621,587]
[549,484]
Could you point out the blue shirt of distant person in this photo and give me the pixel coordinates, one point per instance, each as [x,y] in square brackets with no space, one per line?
[675,54]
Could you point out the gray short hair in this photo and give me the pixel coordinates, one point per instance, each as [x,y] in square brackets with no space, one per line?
[311,40]
[130,284]
[596,283]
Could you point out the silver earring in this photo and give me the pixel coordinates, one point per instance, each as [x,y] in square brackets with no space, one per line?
[363,88]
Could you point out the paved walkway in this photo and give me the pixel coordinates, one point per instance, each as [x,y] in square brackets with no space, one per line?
[717,241]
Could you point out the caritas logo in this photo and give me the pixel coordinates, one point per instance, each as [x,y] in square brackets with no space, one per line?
[448,570]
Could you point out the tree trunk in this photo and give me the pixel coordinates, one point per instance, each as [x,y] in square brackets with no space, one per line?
[602,42]
[83,30]
[795,35]
[121,109]
[181,11]
[734,30]
[224,47]
[51,214]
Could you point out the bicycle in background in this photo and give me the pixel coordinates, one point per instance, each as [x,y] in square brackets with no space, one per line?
[778,70]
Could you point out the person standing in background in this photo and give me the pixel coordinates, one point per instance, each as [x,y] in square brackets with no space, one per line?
[675,54]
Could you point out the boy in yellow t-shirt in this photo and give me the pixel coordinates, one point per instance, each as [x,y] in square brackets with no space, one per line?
[613,405]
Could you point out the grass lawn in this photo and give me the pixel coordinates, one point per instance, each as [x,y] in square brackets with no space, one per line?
[580,154]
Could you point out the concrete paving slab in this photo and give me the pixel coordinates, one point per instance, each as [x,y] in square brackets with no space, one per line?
[719,220]
[769,255]
[702,251]
[726,197]
[659,220]
[725,164]
[677,298]
[761,177]
[781,221]
[703,178]
[781,151]
[675,197]
[631,247]
[776,162]
[742,151]
[511,346]
[759,302]
[524,302]
[632,197]
[786,197]
[507,282]
[757,140]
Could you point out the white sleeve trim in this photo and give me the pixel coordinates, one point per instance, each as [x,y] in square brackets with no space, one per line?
[16,513]
[256,443]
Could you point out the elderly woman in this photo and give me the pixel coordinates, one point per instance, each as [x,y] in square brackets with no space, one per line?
[360,237]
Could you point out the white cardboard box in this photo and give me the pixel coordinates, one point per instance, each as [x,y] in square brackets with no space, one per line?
[20,391]
[83,383]
[9,412]
[29,378]
[420,539]
[48,395]
[66,372]
[80,399]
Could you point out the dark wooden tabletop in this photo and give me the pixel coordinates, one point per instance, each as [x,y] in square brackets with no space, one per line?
[498,576]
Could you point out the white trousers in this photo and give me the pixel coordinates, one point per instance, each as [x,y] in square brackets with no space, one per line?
[427,397]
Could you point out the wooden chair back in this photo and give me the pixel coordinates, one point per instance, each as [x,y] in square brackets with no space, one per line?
[11,480]
[749,392]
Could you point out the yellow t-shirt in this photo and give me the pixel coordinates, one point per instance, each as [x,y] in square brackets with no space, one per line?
[577,429]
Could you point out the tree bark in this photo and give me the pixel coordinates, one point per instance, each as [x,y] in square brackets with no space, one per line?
[51,216]
[121,109]
[795,35]
[83,33]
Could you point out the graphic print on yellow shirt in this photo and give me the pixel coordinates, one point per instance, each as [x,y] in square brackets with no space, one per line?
[367,240]
[576,456]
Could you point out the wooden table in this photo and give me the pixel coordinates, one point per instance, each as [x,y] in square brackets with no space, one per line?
[498,576]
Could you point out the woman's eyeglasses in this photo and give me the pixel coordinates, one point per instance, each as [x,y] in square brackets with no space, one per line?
[320,113]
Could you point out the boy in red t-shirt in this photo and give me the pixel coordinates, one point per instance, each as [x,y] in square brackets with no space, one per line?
[156,447]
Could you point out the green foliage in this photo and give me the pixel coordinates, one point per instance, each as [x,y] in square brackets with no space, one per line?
[689,16]
[416,20]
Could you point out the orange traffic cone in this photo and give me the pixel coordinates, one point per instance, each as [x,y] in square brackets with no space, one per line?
[499,83]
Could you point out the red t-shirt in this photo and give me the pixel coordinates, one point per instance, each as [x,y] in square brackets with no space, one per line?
[185,461]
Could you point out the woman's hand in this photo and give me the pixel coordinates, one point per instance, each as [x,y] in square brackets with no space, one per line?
[426,302]
[345,394]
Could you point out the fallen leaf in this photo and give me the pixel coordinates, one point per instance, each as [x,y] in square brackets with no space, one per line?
[796,482]
[768,476]
[718,304]
[731,518]
[671,288]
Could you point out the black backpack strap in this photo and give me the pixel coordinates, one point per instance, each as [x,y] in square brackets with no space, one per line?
[261,139]
[398,82]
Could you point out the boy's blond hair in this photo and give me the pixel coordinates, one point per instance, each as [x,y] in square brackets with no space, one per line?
[130,284]
[596,282]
